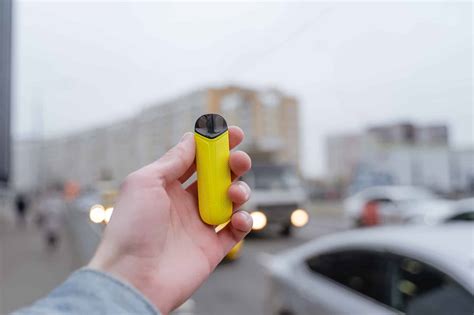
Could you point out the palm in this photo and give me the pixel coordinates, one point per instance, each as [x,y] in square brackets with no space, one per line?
[192,250]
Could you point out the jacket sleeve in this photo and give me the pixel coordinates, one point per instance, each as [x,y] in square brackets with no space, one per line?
[89,291]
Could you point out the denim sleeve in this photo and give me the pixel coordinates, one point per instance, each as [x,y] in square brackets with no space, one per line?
[88,291]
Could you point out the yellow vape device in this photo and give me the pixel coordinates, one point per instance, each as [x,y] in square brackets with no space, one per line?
[212,165]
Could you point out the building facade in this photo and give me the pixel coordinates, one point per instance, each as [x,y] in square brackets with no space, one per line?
[269,119]
[402,154]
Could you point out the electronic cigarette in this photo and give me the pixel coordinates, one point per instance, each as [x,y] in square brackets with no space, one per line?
[212,165]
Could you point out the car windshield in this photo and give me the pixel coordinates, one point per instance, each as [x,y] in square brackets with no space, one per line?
[274,177]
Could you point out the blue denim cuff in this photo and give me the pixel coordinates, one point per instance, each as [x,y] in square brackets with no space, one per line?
[88,291]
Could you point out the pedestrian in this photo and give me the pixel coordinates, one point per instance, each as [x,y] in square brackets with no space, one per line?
[21,206]
[51,213]
[155,251]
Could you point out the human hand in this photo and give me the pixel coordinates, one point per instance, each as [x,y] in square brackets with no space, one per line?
[156,240]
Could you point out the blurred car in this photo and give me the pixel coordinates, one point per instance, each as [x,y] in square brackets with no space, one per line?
[384,204]
[463,211]
[277,200]
[384,270]
[442,212]
[101,207]
[101,211]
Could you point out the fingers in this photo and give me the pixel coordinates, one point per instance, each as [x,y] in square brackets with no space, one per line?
[177,160]
[236,135]
[239,193]
[239,163]
[239,226]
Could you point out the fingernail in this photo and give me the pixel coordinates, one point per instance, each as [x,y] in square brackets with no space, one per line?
[186,136]
[244,188]
[246,216]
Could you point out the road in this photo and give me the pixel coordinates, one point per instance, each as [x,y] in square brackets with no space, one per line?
[28,271]
[239,287]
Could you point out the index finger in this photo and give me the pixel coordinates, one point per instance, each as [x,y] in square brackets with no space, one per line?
[236,135]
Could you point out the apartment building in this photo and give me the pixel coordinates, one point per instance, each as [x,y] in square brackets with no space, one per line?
[269,119]
[403,154]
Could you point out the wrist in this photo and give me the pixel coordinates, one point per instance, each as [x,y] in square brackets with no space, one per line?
[134,271]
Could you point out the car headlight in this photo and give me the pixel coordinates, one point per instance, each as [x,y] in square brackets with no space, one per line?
[259,220]
[299,217]
[108,214]
[97,213]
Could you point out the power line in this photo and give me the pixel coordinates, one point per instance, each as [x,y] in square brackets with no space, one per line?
[244,65]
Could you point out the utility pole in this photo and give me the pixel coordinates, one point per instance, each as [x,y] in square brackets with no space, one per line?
[5,90]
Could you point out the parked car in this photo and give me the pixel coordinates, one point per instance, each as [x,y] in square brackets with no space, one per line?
[385,204]
[453,211]
[278,198]
[383,270]
[463,211]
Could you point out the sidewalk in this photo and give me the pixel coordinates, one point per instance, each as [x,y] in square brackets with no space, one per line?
[27,270]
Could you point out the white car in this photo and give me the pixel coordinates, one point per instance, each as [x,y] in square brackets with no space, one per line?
[384,270]
[393,203]
[443,212]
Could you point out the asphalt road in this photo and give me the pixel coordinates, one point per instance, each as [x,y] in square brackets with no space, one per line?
[28,272]
[238,288]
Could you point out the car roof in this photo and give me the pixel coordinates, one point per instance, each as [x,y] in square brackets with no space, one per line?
[449,247]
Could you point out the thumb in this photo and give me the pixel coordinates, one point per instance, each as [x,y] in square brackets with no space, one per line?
[177,160]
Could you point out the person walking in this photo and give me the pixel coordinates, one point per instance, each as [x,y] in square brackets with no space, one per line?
[21,206]
[51,211]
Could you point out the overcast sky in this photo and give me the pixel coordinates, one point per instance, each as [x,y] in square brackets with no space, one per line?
[349,65]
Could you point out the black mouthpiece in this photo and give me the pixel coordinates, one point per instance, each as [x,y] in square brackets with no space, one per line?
[210,125]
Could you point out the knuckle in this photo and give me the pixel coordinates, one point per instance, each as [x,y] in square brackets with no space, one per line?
[177,152]
[181,154]
[246,189]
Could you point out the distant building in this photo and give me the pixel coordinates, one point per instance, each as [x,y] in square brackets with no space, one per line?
[409,134]
[343,155]
[462,170]
[269,119]
[403,154]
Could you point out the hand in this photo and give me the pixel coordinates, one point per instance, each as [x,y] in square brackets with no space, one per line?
[156,240]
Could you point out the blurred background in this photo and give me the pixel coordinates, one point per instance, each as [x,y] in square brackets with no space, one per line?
[357,115]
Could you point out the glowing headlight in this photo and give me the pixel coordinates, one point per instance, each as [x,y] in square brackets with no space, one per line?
[108,214]
[259,220]
[97,213]
[299,218]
